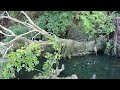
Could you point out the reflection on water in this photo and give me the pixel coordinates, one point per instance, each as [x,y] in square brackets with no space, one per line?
[94,76]
[92,67]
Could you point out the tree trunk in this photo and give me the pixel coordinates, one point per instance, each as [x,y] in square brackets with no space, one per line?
[70,47]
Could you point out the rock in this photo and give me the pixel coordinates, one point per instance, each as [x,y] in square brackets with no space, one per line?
[74,76]
[77,35]
[94,76]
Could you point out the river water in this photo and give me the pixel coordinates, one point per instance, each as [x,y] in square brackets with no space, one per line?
[92,67]
[86,67]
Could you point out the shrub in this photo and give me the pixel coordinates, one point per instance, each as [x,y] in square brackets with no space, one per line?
[97,22]
[26,57]
[52,60]
[56,21]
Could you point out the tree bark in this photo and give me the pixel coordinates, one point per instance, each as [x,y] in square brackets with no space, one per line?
[70,48]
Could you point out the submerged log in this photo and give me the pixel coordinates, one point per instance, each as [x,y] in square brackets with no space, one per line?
[58,71]
[73,76]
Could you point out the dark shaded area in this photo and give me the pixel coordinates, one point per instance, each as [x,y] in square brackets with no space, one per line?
[6,23]
[23,74]
[78,35]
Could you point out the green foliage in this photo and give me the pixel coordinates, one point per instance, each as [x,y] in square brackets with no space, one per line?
[26,57]
[56,21]
[51,60]
[14,13]
[108,45]
[18,29]
[108,48]
[97,22]
[17,14]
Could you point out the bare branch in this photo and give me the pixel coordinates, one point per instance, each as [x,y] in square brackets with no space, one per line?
[25,24]
[29,19]
[8,30]
[18,21]
[19,37]
[30,24]
[58,71]
[6,34]
[35,36]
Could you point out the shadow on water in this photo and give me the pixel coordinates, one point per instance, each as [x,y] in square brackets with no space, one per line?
[85,67]
[23,74]
[92,67]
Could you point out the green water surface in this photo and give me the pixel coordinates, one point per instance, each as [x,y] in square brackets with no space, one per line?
[92,67]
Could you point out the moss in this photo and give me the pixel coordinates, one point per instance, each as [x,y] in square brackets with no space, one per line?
[79,49]
[73,48]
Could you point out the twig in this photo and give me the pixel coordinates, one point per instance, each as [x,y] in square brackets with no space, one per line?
[35,36]
[58,71]
[38,70]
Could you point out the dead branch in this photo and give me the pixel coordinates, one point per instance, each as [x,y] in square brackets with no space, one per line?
[58,71]
[35,36]
[8,30]
[19,37]
[32,23]
[6,34]
[29,25]
[34,28]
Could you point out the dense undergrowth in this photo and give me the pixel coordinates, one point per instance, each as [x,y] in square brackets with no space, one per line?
[93,23]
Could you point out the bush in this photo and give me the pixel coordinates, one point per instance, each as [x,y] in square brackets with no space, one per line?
[52,60]
[97,22]
[56,21]
[26,57]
